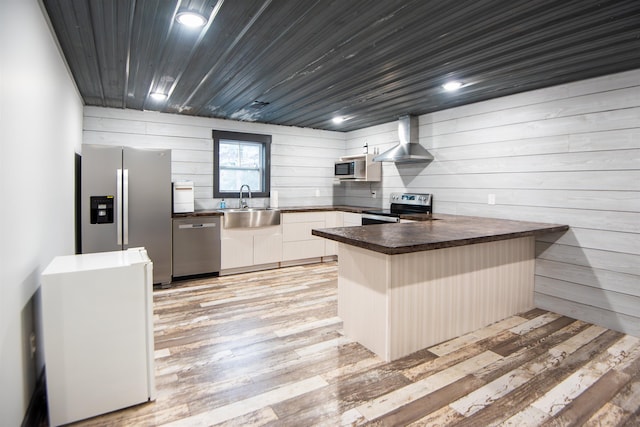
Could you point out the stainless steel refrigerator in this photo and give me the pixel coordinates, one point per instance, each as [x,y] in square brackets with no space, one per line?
[126,203]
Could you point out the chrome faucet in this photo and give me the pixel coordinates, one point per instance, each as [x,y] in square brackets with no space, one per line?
[243,202]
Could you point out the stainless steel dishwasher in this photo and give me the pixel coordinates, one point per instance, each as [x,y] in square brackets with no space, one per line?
[196,246]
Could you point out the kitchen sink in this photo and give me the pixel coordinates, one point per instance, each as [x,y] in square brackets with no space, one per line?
[250,217]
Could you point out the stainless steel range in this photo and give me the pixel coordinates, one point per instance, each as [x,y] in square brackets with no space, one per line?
[401,203]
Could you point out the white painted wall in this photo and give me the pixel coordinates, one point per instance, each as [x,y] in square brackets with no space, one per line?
[301,159]
[41,129]
[568,154]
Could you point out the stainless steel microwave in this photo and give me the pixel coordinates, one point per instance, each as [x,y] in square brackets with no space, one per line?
[351,169]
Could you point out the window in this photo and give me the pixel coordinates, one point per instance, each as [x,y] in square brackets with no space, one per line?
[238,159]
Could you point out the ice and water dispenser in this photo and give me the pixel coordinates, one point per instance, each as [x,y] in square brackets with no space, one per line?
[101,209]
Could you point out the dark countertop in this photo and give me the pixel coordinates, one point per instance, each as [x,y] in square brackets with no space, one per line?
[207,212]
[443,231]
[294,209]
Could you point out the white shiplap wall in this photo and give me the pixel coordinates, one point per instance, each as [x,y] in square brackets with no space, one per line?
[568,154]
[301,159]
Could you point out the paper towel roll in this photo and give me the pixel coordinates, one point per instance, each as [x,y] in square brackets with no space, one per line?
[273,200]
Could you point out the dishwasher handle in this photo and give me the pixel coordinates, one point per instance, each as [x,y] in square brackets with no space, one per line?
[201,225]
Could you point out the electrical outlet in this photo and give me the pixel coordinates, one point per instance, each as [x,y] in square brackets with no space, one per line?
[317,192]
[374,194]
[491,199]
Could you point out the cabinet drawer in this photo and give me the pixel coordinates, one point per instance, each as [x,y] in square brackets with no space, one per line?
[303,249]
[302,217]
[351,219]
[300,231]
[333,219]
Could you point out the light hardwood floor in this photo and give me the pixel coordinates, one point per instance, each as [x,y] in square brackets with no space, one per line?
[266,348]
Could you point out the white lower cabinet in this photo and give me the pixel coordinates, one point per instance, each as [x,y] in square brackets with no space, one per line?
[244,247]
[236,249]
[351,219]
[267,248]
[332,219]
[290,241]
[297,240]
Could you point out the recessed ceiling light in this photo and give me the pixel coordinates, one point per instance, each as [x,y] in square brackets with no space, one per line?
[452,85]
[191,19]
[338,119]
[157,96]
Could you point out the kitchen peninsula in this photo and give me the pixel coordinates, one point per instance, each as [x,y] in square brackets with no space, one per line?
[405,287]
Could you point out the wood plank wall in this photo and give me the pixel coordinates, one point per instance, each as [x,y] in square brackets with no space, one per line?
[301,159]
[568,154]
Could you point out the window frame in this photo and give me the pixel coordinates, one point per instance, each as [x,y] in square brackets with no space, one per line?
[263,139]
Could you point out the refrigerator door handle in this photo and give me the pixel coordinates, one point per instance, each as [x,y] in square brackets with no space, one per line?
[125,208]
[119,206]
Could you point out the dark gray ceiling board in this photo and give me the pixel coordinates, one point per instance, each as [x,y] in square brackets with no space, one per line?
[146,49]
[247,88]
[228,67]
[300,62]
[205,76]
[111,34]
[74,30]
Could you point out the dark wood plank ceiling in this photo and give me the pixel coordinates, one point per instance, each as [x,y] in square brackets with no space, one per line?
[301,62]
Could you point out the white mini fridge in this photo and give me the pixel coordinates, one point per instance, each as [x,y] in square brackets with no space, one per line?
[98,333]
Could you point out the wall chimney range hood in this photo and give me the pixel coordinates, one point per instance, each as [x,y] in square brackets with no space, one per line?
[408,149]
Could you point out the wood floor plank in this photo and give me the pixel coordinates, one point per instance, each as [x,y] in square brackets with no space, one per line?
[387,403]
[257,418]
[629,396]
[608,415]
[421,407]
[245,406]
[590,401]
[267,349]
[524,369]
[344,394]
[605,387]
[537,334]
[585,377]
[475,336]
[515,408]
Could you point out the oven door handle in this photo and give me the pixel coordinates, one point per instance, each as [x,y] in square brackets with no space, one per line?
[380,217]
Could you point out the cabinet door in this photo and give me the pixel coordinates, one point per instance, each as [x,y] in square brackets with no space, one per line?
[332,219]
[236,250]
[352,219]
[267,248]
